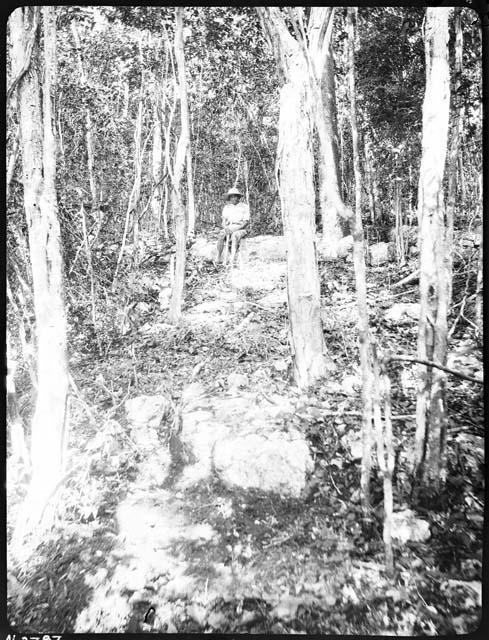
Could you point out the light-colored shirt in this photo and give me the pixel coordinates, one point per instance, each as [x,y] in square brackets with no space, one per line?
[236,213]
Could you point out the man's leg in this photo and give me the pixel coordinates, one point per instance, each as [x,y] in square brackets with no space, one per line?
[237,237]
[220,245]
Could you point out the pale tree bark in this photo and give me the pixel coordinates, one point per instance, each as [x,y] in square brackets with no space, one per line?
[176,175]
[134,196]
[435,276]
[138,165]
[49,423]
[185,123]
[89,128]
[385,448]
[364,337]
[320,27]
[190,194]
[370,175]
[157,170]
[455,147]
[295,169]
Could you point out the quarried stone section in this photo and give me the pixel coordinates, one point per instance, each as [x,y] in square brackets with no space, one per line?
[245,441]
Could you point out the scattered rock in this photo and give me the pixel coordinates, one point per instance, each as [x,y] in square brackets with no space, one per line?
[210,306]
[180,588]
[204,249]
[403,312]
[146,410]
[352,442]
[275,298]
[380,253]
[281,365]
[271,461]
[265,247]
[198,613]
[164,297]
[242,441]
[106,613]
[141,597]
[407,527]
[345,246]
[202,531]
[144,415]
[216,619]
[237,380]
[351,384]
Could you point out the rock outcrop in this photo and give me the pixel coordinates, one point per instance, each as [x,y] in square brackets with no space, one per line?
[244,442]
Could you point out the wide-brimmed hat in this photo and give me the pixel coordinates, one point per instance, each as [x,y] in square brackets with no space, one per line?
[234,192]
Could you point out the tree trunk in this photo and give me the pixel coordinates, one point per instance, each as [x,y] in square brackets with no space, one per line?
[40,202]
[190,194]
[320,29]
[434,282]
[361,286]
[176,301]
[89,127]
[295,168]
[157,171]
[455,146]
[370,175]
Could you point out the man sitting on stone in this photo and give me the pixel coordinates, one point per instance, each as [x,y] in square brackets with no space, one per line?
[235,221]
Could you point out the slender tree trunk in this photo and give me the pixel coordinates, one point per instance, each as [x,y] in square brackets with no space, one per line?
[320,29]
[385,448]
[185,124]
[190,194]
[178,285]
[361,285]
[89,126]
[49,423]
[479,292]
[371,184]
[455,146]
[295,169]
[434,283]
[157,170]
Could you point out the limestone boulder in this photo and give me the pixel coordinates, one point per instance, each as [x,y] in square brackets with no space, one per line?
[265,247]
[273,299]
[243,442]
[403,313]
[331,249]
[204,249]
[144,415]
[407,527]
[267,459]
[380,253]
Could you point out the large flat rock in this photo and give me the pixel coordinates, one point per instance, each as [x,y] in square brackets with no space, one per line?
[243,440]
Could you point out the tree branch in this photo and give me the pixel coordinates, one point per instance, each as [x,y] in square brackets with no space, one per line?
[429,363]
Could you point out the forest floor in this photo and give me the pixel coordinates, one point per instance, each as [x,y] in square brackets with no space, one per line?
[134,550]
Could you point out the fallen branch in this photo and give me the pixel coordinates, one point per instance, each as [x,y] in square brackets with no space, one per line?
[412,277]
[429,363]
